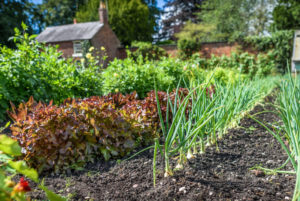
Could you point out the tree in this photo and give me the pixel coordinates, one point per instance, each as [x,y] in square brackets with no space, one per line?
[59,12]
[199,32]
[261,17]
[177,12]
[131,20]
[230,17]
[287,14]
[12,14]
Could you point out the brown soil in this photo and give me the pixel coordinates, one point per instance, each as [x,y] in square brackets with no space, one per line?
[223,175]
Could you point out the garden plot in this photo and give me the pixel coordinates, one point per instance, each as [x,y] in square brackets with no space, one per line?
[223,175]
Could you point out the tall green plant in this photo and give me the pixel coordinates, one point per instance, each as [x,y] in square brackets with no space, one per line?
[287,133]
[204,115]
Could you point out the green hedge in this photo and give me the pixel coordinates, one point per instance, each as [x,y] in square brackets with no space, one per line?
[279,44]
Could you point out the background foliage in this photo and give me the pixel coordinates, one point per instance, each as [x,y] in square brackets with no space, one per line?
[286,15]
[148,51]
[280,45]
[34,69]
[131,20]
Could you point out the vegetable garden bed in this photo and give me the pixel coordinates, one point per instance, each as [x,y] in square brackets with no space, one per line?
[224,175]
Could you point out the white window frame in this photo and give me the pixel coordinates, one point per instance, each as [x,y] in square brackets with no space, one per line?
[77,48]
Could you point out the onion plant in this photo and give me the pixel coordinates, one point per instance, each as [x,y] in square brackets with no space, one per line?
[288,133]
[200,118]
[179,137]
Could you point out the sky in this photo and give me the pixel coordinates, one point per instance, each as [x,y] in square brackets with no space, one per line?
[160,3]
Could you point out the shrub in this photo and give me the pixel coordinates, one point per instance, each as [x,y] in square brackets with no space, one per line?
[148,51]
[245,63]
[126,76]
[280,43]
[37,70]
[226,76]
[187,47]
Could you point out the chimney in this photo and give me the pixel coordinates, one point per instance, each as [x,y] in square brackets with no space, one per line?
[74,21]
[103,17]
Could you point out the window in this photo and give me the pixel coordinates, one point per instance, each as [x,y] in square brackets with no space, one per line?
[77,47]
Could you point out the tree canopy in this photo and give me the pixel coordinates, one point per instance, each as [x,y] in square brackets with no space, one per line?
[12,13]
[59,12]
[230,20]
[176,13]
[131,20]
[287,14]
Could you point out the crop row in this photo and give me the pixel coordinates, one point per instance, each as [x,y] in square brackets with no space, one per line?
[80,130]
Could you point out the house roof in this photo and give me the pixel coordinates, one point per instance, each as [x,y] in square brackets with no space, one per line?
[70,32]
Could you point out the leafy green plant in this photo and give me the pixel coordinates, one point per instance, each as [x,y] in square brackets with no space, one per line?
[9,190]
[34,69]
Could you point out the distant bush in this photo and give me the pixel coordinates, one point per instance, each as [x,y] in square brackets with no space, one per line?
[187,47]
[251,65]
[280,44]
[128,75]
[148,51]
[225,76]
[34,69]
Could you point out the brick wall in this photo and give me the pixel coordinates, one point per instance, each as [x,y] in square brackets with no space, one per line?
[106,37]
[207,49]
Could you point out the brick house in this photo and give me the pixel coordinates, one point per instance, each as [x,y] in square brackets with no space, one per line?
[70,37]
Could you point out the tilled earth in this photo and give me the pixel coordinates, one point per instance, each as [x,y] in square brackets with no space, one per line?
[223,175]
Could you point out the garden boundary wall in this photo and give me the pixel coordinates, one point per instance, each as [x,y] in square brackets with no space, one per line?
[207,49]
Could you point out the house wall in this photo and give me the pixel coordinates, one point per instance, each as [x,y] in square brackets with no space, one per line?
[65,47]
[106,38]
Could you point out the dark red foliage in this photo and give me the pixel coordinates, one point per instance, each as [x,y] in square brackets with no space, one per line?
[73,133]
[81,129]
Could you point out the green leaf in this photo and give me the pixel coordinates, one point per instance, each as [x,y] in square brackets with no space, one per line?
[105,154]
[4,159]
[9,146]
[21,167]
[51,195]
